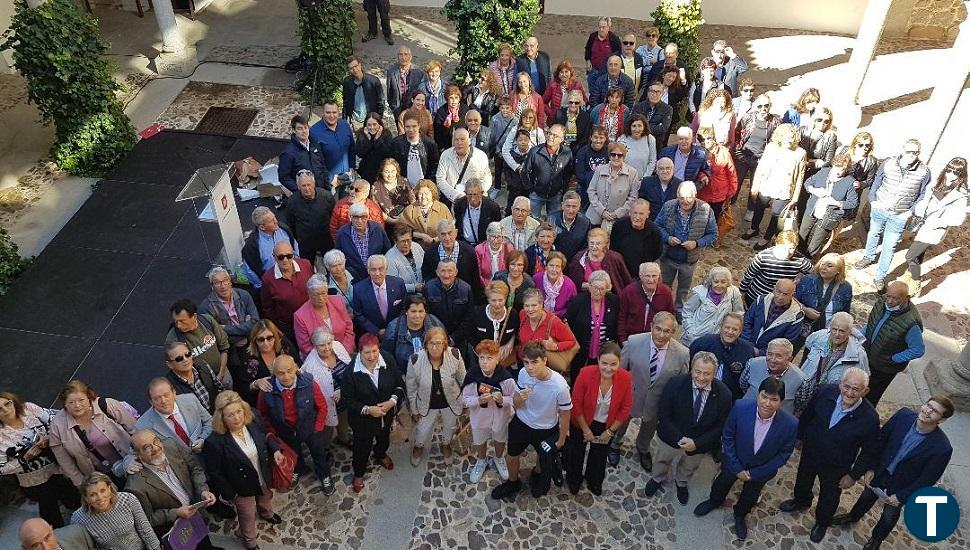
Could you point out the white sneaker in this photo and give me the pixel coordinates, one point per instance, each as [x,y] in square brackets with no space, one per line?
[501,467]
[478,470]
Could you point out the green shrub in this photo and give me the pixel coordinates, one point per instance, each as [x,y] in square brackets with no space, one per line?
[679,22]
[484,24]
[11,264]
[327,35]
[60,52]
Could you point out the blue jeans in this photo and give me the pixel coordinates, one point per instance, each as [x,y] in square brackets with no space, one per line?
[536,203]
[891,227]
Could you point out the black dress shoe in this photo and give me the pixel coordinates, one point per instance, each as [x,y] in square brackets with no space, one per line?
[705,508]
[507,490]
[275,519]
[817,533]
[613,456]
[651,488]
[792,505]
[683,495]
[843,519]
[574,489]
[740,527]
[749,235]
[368,37]
[646,461]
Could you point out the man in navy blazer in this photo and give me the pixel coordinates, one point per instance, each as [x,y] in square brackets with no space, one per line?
[838,425]
[911,453]
[372,235]
[370,316]
[758,440]
[695,167]
[532,54]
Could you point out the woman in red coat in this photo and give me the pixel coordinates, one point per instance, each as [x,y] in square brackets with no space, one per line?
[602,399]
[723,183]
[563,82]
[540,325]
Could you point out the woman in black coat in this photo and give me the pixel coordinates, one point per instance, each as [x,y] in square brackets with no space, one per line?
[235,437]
[370,408]
[584,124]
[593,314]
[494,321]
[372,146]
[449,116]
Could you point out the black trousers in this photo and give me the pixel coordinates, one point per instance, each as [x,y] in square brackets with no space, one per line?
[750,492]
[829,492]
[370,439]
[373,7]
[317,445]
[878,383]
[887,520]
[50,494]
[575,451]
[914,257]
[746,164]
[717,208]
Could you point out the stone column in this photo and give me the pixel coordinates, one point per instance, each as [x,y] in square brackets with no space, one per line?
[951,378]
[948,87]
[870,30]
[171,35]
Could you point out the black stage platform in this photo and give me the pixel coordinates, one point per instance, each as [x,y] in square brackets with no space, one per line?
[94,304]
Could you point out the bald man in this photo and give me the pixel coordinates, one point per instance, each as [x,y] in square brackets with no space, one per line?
[295,411]
[460,163]
[284,287]
[37,534]
[535,63]
[894,337]
[775,315]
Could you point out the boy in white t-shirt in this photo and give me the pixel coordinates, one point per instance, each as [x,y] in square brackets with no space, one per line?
[542,407]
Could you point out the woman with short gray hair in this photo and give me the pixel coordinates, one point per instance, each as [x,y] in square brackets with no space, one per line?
[708,303]
[326,363]
[491,254]
[338,278]
[322,310]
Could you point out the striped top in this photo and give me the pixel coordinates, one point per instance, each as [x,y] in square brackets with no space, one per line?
[125,527]
[765,270]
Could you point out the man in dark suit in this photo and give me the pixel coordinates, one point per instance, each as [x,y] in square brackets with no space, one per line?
[834,429]
[301,153]
[912,452]
[377,298]
[403,78]
[373,240]
[478,134]
[690,418]
[534,63]
[473,212]
[170,482]
[732,351]
[450,300]
[461,252]
[758,440]
[371,99]
[660,187]
[308,214]
[371,390]
[659,115]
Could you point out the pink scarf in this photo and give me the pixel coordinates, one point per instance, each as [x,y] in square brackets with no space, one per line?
[551,291]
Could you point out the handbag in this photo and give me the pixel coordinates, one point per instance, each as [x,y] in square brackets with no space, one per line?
[283,473]
[511,358]
[788,219]
[726,223]
[559,361]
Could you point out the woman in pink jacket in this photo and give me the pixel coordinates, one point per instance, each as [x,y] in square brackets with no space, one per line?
[491,253]
[322,310]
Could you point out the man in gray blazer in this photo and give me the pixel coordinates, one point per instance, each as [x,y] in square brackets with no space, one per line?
[171,481]
[180,418]
[37,534]
[653,359]
[398,95]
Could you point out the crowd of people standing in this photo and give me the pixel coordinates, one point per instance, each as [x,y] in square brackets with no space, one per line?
[463,255]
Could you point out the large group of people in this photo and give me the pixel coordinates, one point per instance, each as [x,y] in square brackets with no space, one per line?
[519,261]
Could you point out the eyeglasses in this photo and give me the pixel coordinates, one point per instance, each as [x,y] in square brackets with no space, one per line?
[616,155]
[863,146]
[282,257]
[575,102]
[625,43]
[652,35]
[825,120]
[951,171]
[179,358]
[304,173]
[911,152]
[762,106]
[262,339]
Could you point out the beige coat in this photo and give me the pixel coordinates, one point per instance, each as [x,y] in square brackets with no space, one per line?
[780,172]
[418,381]
[612,194]
[74,459]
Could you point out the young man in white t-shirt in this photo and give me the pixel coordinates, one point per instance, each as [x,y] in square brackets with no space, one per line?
[542,404]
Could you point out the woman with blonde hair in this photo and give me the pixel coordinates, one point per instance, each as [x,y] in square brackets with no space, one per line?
[504,69]
[434,381]
[237,459]
[483,96]
[824,292]
[116,521]
[423,215]
[804,107]
[709,303]
[777,181]
[717,111]
[433,86]
[251,373]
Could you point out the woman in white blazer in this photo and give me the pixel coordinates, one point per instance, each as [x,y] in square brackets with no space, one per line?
[434,378]
[708,303]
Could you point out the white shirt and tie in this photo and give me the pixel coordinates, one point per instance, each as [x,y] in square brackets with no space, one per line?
[657,357]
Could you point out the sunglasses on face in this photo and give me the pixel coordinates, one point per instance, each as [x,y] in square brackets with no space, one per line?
[575,103]
[282,257]
[304,173]
[913,153]
[179,358]
[825,120]
[625,43]
[763,106]
[262,339]
[863,145]
[652,35]
[748,90]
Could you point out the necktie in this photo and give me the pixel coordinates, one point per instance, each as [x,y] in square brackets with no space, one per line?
[179,430]
[382,301]
[654,364]
[698,400]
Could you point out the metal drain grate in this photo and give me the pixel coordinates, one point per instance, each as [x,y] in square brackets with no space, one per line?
[226,120]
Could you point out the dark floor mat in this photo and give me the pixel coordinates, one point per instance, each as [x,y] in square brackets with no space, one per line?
[229,121]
